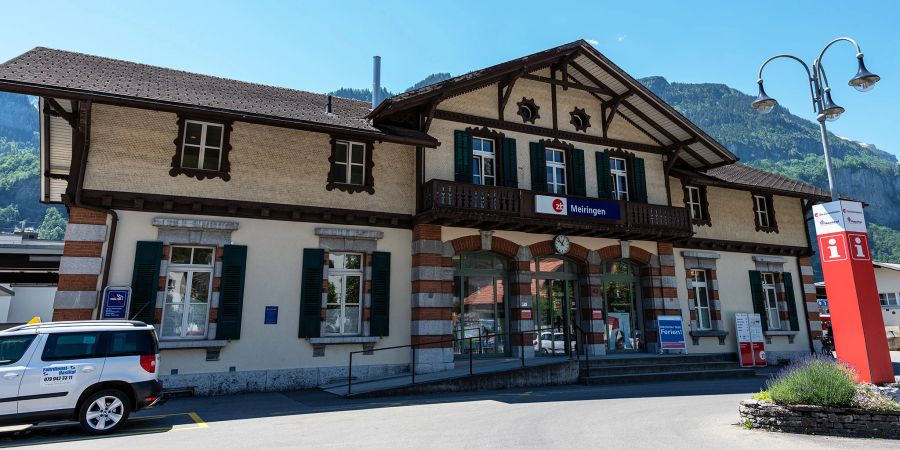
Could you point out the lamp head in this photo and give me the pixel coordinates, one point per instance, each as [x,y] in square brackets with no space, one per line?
[763,103]
[830,110]
[864,80]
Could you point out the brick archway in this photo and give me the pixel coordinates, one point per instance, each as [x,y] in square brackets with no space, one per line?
[576,252]
[637,255]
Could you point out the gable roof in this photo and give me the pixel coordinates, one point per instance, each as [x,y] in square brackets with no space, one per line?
[742,176]
[606,81]
[44,71]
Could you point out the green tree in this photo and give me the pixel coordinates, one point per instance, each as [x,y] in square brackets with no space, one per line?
[54,225]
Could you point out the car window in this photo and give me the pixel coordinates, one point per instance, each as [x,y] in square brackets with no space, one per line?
[72,346]
[128,343]
[13,347]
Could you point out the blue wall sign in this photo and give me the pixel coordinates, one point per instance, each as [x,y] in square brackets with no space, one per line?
[271,315]
[578,207]
[671,333]
[115,303]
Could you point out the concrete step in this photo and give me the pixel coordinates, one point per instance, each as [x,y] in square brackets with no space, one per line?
[658,359]
[667,376]
[687,366]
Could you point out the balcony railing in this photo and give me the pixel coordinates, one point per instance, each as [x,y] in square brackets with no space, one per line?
[510,208]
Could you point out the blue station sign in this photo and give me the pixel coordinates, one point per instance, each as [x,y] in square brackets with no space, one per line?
[578,207]
[115,303]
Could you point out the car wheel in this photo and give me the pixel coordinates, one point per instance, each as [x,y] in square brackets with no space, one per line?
[104,411]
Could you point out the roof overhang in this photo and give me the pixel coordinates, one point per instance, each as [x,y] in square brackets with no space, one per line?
[586,67]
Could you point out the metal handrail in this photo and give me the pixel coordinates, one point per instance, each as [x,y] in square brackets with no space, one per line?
[536,331]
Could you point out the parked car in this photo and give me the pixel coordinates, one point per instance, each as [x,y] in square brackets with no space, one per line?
[551,343]
[93,372]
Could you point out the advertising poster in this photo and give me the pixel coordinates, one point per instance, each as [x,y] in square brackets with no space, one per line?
[620,331]
[745,345]
[671,333]
[115,303]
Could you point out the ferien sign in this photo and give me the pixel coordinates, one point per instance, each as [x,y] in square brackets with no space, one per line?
[856,320]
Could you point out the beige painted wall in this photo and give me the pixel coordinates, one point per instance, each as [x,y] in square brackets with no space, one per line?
[439,162]
[732,270]
[132,149]
[731,214]
[889,281]
[274,258]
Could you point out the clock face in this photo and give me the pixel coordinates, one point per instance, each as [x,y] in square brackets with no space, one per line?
[561,244]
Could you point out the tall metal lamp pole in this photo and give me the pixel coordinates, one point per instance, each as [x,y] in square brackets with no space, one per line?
[820,92]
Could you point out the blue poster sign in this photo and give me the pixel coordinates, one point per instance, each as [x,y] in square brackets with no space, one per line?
[115,303]
[271,315]
[578,207]
[671,333]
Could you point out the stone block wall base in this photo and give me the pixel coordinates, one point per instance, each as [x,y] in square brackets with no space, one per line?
[821,420]
[60,315]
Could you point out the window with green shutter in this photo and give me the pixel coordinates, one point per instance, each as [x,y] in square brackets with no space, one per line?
[789,297]
[462,156]
[578,183]
[509,163]
[231,292]
[538,167]
[379,322]
[145,281]
[311,292]
[604,177]
[759,300]
[640,181]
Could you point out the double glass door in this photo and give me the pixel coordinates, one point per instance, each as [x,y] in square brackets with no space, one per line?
[479,305]
[555,310]
[624,324]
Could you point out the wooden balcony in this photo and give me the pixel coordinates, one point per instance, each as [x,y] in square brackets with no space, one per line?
[452,203]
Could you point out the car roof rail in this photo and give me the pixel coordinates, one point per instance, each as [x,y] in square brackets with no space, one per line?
[78,323]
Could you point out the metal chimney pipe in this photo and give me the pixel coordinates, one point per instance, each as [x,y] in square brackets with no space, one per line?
[376,81]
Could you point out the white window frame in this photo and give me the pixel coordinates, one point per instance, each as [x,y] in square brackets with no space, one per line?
[699,284]
[619,179]
[762,211]
[770,297]
[554,184]
[203,146]
[190,269]
[693,201]
[343,274]
[479,161]
[889,299]
[348,165]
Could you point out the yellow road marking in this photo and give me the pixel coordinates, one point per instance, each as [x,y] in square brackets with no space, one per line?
[200,422]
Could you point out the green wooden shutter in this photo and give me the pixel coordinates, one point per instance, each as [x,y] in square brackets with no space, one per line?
[510,165]
[463,156]
[791,301]
[145,281]
[578,183]
[604,182]
[379,322]
[311,292]
[640,181]
[759,302]
[231,292]
[538,167]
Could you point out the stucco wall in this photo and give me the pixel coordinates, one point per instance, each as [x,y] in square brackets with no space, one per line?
[731,215]
[132,149]
[889,281]
[439,162]
[274,258]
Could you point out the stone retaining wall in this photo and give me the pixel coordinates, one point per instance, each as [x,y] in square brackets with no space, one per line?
[821,420]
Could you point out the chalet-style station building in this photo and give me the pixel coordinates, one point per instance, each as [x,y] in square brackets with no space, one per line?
[269,232]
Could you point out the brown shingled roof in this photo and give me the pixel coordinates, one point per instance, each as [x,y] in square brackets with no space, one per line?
[110,78]
[746,176]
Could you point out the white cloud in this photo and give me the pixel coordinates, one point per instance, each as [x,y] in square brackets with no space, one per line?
[621,37]
[593,41]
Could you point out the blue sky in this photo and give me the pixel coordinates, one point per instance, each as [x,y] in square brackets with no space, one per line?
[321,46]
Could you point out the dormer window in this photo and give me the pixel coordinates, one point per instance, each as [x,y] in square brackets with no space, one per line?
[201,149]
[528,110]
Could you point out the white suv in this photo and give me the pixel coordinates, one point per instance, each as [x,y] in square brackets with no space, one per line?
[95,372]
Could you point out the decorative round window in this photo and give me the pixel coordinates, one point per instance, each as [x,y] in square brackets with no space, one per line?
[528,110]
[580,119]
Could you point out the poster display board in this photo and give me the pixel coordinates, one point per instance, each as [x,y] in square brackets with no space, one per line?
[751,342]
[619,325]
[115,303]
[671,333]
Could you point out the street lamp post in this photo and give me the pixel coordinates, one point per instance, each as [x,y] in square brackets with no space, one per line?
[820,92]
[842,238]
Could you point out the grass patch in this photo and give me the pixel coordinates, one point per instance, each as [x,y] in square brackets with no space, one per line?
[814,381]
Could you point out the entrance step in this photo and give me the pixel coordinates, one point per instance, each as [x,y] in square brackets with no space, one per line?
[639,368]
[632,369]
[667,376]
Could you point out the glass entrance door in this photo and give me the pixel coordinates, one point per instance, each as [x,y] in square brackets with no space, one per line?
[479,305]
[555,307]
[624,323]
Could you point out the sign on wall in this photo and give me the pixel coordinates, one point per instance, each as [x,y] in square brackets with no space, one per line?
[115,303]
[671,333]
[577,207]
[271,316]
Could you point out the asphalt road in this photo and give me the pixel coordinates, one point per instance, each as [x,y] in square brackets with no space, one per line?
[695,414]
